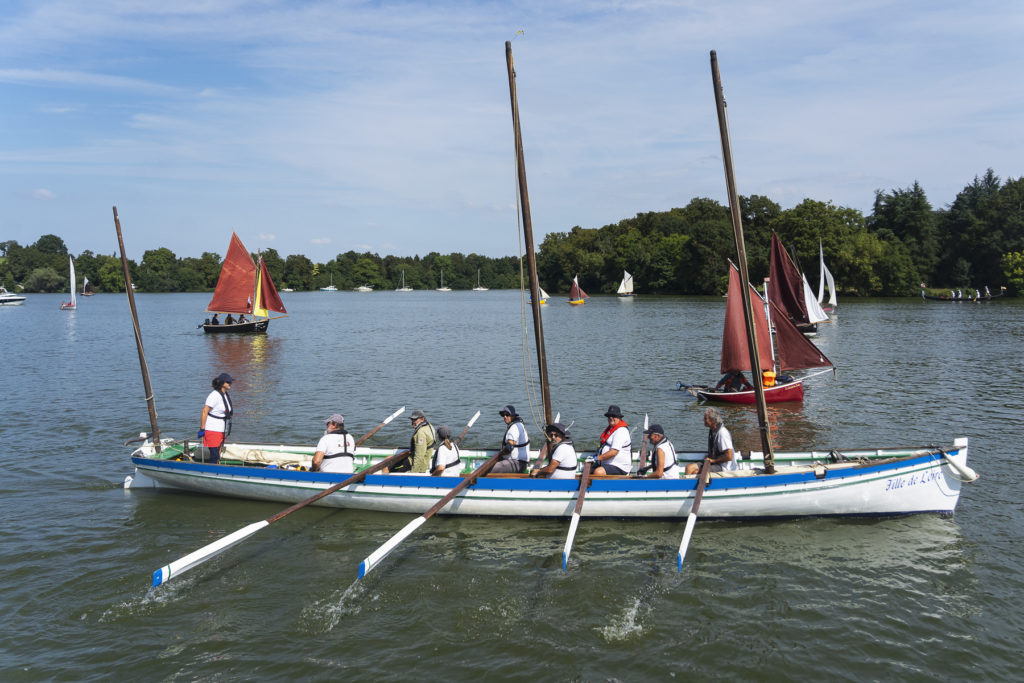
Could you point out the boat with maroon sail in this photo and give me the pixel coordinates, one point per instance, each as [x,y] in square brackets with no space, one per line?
[243,288]
[787,288]
[790,350]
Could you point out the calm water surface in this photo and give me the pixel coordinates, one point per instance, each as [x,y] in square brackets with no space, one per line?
[914,598]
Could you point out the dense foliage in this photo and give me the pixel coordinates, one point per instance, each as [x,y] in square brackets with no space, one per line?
[977,240]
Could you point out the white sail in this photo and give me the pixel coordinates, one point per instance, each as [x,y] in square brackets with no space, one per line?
[74,301]
[825,278]
[814,311]
[626,286]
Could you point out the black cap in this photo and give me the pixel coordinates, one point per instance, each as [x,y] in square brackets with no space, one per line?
[655,429]
[613,411]
[225,377]
[508,410]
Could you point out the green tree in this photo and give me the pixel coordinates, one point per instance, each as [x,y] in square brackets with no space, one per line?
[906,215]
[159,271]
[44,280]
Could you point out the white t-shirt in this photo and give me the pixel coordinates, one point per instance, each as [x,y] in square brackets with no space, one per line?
[516,432]
[447,457]
[565,455]
[332,443]
[215,400]
[723,443]
[621,441]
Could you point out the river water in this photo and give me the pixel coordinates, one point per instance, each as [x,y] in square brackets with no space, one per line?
[912,598]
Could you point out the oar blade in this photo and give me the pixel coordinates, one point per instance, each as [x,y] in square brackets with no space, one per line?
[690,522]
[167,572]
[570,537]
[374,558]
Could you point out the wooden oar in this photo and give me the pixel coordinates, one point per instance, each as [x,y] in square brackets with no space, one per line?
[584,480]
[166,573]
[702,480]
[374,558]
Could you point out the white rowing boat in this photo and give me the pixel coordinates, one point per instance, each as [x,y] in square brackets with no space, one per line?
[891,481]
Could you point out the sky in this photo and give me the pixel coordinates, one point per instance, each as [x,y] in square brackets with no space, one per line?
[318,127]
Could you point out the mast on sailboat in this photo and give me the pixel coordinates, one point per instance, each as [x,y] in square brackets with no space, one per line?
[531,257]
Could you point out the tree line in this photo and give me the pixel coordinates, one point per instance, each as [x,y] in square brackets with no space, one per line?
[977,240]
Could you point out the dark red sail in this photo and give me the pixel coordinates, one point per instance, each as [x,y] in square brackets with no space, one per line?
[734,337]
[786,286]
[269,298]
[237,282]
[794,350]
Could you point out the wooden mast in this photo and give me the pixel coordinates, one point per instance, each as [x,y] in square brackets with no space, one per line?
[741,262]
[531,257]
[138,337]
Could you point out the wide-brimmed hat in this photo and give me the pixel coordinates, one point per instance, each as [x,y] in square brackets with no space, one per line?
[337,419]
[225,377]
[508,410]
[557,427]
[613,411]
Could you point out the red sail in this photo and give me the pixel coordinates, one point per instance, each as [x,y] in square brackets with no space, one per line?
[786,288]
[795,351]
[576,292]
[269,297]
[237,281]
[735,355]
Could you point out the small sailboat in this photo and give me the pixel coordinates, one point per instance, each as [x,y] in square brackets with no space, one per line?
[403,288]
[791,350]
[825,279]
[86,287]
[442,288]
[244,287]
[626,286]
[576,294]
[73,304]
[478,287]
[544,296]
[790,292]
[330,287]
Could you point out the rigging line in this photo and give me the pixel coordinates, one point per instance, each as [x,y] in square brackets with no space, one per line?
[531,390]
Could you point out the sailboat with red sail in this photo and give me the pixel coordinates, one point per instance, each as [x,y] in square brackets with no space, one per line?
[576,294]
[789,291]
[791,350]
[243,288]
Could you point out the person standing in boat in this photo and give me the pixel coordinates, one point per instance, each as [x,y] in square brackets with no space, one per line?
[614,454]
[446,461]
[562,464]
[420,445]
[663,457]
[336,450]
[515,444]
[215,420]
[719,444]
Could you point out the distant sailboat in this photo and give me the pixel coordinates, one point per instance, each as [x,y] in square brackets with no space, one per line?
[825,278]
[626,286]
[86,287]
[363,288]
[478,288]
[403,288]
[73,304]
[544,296]
[576,295]
[442,288]
[790,292]
[330,287]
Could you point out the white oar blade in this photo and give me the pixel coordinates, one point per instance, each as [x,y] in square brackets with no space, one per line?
[690,522]
[569,539]
[165,574]
[394,415]
[374,558]
[473,420]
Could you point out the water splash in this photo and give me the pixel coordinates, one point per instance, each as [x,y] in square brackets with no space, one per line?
[628,623]
[324,615]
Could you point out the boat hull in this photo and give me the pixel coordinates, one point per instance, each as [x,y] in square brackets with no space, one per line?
[781,393]
[248,327]
[916,482]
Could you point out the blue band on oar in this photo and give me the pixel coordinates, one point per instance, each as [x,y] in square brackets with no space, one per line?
[362,569]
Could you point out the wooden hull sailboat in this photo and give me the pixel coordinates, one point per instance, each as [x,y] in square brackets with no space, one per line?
[577,297]
[243,288]
[73,304]
[789,291]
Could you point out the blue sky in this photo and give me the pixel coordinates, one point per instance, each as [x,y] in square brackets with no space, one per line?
[319,127]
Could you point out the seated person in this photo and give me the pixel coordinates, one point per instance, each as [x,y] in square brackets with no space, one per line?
[241,318]
[215,321]
[229,320]
[733,381]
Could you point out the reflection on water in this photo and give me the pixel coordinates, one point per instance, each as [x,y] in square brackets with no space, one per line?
[254,361]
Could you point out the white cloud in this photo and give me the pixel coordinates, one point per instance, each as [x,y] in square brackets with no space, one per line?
[43,194]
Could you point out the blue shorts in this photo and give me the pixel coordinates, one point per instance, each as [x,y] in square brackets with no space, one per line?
[611,469]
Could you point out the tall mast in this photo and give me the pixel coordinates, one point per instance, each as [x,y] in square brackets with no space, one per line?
[531,257]
[741,262]
[150,401]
